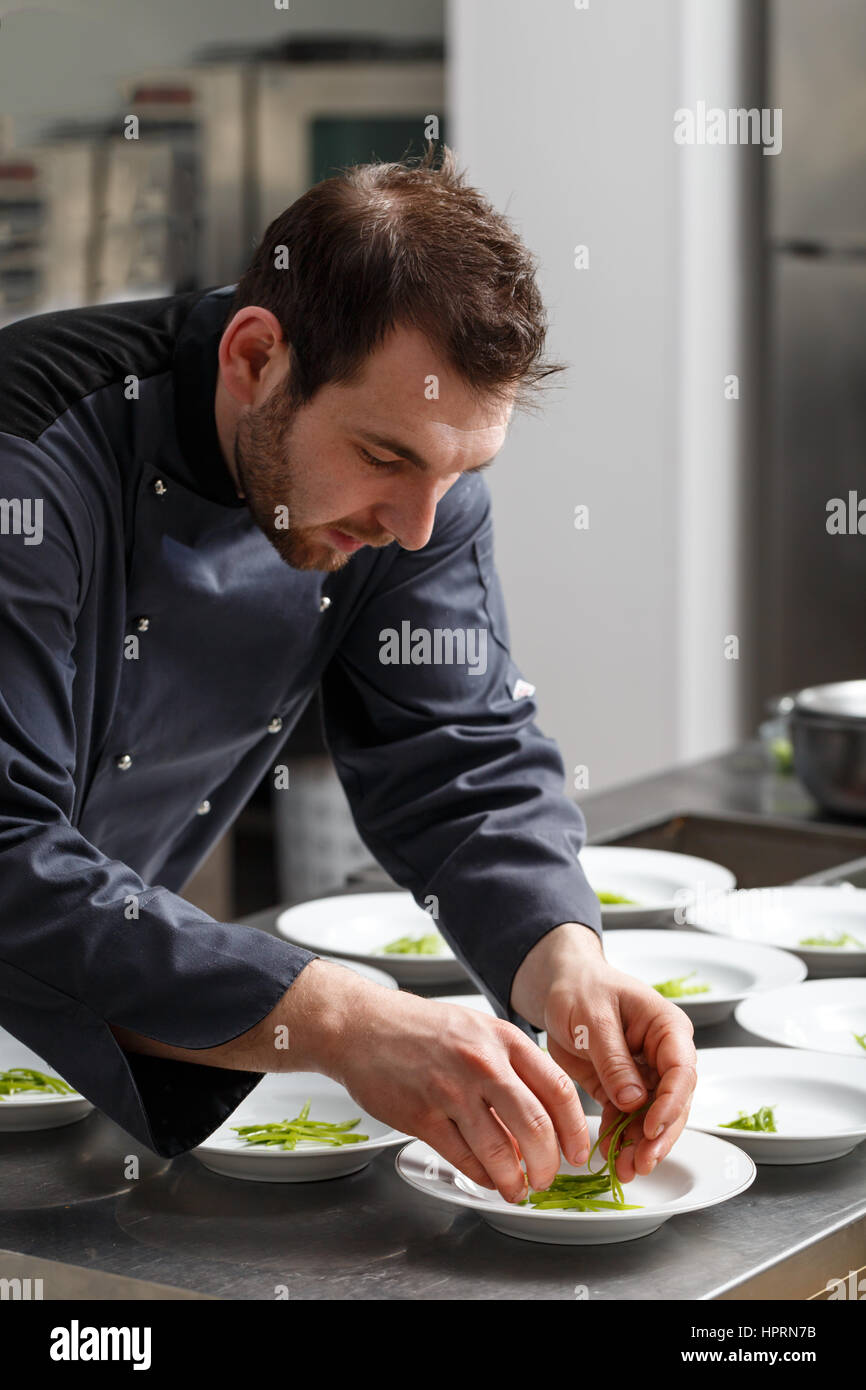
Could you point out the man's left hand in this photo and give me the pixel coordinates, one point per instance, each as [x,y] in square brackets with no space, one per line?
[610,1033]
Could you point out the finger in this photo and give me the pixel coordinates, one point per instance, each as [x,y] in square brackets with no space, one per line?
[445,1137]
[548,1083]
[649,1152]
[670,1047]
[631,1136]
[494,1148]
[521,1112]
[578,1067]
[614,1064]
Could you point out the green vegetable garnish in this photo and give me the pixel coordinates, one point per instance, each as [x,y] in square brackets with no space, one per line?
[286,1134]
[612,898]
[861,1039]
[25,1079]
[583,1191]
[782,750]
[675,989]
[762,1121]
[429,945]
[843,939]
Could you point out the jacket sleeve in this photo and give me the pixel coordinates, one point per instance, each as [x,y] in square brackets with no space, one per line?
[452,786]
[84,943]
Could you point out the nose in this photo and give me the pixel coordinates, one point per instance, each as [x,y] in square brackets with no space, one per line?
[410,513]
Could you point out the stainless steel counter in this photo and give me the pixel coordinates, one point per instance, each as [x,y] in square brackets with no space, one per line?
[90,1231]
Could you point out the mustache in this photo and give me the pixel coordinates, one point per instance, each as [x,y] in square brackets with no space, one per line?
[377,541]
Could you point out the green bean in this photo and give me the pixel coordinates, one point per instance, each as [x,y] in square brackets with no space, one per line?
[675,989]
[762,1121]
[286,1134]
[26,1079]
[429,945]
[582,1191]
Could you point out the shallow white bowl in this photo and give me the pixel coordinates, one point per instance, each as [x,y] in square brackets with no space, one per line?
[699,1172]
[784,916]
[662,883]
[819,1015]
[819,1102]
[280,1096]
[31,1111]
[733,969]
[358,925]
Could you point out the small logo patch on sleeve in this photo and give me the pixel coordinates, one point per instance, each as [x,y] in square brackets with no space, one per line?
[521,689]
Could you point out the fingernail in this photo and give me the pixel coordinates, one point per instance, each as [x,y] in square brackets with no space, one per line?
[580,1156]
[629,1094]
[653,1162]
[659,1130]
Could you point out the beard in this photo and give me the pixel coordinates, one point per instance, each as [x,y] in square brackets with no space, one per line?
[274,491]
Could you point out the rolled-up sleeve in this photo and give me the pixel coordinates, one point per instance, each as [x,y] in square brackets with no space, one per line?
[452,786]
[84,942]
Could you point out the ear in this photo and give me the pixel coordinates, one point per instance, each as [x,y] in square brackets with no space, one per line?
[252,354]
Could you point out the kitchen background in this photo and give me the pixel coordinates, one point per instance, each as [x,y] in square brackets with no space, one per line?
[707,515]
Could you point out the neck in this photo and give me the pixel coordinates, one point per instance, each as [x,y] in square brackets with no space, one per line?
[226,414]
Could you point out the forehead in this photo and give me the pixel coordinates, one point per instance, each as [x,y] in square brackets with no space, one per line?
[407,387]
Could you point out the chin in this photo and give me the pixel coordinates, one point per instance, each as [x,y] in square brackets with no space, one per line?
[309,556]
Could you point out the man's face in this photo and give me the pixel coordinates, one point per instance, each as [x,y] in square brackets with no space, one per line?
[309,477]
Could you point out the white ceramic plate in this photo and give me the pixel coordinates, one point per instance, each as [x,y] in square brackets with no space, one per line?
[660,883]
[30,1110]
[281,1097]
[480,1004]
[732,969]
[820,1015]
[784,916]
[358,925]
[699,1172]
[819,1102]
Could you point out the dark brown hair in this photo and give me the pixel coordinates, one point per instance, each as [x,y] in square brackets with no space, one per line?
[381,245]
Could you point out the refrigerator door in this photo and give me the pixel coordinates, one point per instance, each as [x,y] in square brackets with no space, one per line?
[814,613]
[818,180]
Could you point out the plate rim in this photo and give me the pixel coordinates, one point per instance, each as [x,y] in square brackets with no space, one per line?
[583,1217]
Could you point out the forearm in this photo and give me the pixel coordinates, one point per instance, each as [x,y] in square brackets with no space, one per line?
[305,1031]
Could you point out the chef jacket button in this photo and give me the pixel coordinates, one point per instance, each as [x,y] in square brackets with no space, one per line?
[159,487]
[324,603]
[142,624]
[275,725]
[123,762]
[203,808]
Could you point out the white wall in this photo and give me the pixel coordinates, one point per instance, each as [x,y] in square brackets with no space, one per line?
[565,118]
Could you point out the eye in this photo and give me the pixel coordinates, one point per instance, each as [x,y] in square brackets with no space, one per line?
[378,463]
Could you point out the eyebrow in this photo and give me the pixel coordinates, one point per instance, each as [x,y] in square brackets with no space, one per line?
[395,447]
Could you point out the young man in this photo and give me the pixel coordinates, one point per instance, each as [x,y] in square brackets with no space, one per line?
[240,494]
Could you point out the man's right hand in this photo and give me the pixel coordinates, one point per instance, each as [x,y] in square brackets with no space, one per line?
[439,1071]
[436,1071]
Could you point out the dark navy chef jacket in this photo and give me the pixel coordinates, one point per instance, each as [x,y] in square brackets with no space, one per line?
[110,749]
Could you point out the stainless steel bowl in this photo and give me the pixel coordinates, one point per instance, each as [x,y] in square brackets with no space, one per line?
[828,733]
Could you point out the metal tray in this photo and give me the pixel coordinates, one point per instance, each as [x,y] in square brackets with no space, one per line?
[761,852]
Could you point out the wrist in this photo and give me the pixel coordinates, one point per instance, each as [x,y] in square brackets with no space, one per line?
[317,1011]
[548,959]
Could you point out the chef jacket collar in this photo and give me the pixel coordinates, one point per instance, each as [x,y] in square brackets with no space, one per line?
[194,369]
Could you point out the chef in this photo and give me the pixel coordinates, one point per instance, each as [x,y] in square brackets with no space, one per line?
[241,493]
